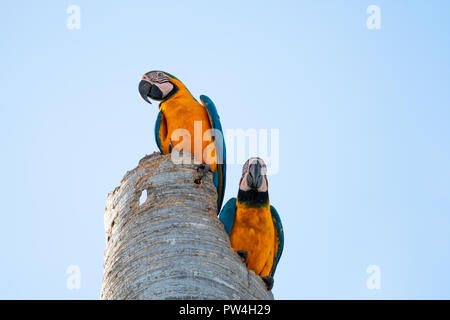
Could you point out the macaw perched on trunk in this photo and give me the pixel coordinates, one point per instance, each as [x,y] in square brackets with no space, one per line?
[178,109]
[254,226]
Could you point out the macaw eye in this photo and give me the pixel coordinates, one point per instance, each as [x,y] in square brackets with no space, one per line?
[160,74]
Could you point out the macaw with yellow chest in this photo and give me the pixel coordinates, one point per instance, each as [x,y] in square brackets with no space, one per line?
[178,109]
[254,226]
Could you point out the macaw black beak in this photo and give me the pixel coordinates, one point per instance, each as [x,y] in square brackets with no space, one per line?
[254,177]
[148,90]
[144,89]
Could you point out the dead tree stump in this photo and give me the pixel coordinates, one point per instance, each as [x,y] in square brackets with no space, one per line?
[172,246]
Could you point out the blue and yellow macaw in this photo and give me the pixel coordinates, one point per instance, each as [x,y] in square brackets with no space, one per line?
[254,226]
[178,109]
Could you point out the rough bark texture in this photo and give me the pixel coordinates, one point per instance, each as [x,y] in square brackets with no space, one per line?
[172,246]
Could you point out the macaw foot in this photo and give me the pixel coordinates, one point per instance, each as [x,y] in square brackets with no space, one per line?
[243,254]
[170,147]
[202,170]
[268,280]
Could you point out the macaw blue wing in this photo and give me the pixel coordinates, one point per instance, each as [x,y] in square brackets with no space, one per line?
[219,176]
[227,215]
[158,122]
[280,237]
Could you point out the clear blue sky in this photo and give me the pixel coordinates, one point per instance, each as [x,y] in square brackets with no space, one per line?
[364,120]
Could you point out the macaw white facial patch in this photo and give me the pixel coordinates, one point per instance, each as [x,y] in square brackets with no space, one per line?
[243,185]
[165,87]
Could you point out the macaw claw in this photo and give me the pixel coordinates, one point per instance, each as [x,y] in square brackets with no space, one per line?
[243,254]
[202,170]
[268,280]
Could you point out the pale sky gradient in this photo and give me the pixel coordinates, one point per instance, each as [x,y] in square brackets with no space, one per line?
[364,120]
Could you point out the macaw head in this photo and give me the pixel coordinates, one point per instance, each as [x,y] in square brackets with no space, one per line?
[253,186]
[158,85]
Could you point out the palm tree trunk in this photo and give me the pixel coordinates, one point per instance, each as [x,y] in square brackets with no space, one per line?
[172,246]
